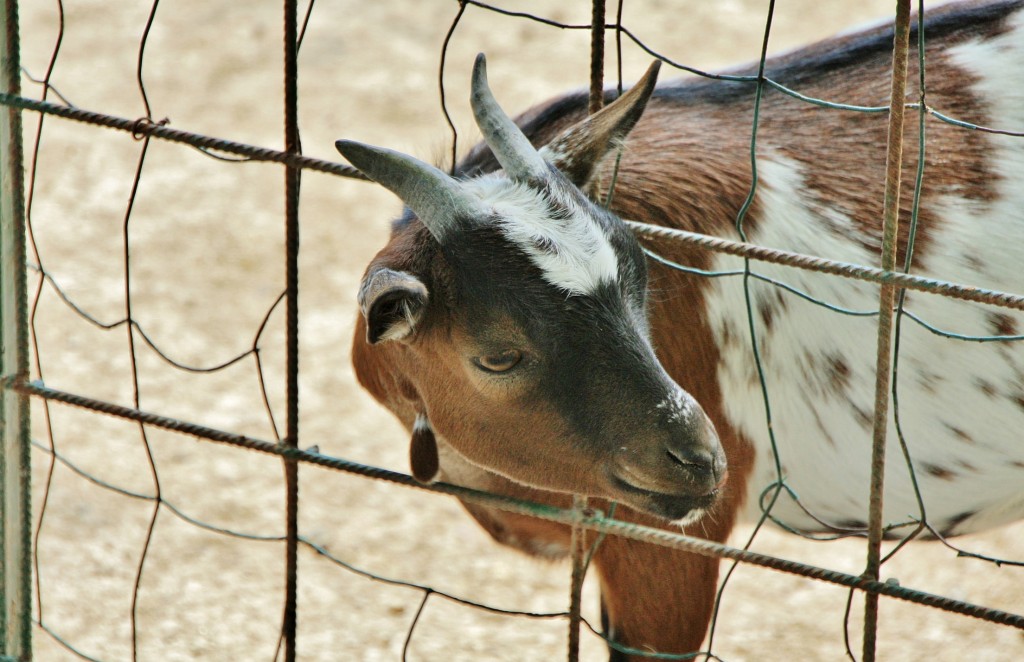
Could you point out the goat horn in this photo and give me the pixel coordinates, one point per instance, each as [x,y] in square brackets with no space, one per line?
[439,200]
[513,150]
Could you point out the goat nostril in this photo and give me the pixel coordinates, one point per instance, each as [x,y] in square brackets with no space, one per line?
[695,461]
[680,461]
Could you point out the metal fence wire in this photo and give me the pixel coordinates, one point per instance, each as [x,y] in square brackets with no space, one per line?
[120,325]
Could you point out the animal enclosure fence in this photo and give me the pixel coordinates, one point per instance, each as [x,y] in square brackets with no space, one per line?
[157,307]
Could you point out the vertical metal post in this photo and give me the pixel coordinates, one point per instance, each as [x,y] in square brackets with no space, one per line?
[596,57]
[291,185]
[894,158]
[15,528]
[578,546]
[579,503]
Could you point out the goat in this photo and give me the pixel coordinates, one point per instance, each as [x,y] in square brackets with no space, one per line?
[513,324]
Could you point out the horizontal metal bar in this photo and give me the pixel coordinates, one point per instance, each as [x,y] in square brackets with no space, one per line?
[592,520]
[845,269]
[140,128]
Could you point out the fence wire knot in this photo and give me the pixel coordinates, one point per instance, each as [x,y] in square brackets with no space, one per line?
[140,126]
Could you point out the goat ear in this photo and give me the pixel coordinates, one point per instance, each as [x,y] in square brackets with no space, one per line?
[393,303]
[423,451]
[578,150]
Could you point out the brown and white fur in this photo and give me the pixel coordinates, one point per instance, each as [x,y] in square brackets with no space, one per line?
[428,323]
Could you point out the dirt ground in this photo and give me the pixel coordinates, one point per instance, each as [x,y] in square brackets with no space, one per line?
[206,241]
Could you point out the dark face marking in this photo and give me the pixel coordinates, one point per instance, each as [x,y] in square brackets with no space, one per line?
[581,352]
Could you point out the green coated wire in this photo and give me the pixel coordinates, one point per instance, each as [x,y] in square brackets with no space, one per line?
[740,217]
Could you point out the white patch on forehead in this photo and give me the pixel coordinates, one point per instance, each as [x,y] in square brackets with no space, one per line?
[571,249]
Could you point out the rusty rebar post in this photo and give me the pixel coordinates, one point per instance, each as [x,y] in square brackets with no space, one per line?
[578,546]
[596,57]
[15,511]
[579,503]
[887,297]
[291,187]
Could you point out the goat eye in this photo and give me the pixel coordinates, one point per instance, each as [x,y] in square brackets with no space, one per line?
[502,362]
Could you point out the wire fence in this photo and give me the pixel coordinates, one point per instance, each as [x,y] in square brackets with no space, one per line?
[123,296]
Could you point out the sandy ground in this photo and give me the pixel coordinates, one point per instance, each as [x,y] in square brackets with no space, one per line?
[206,241]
